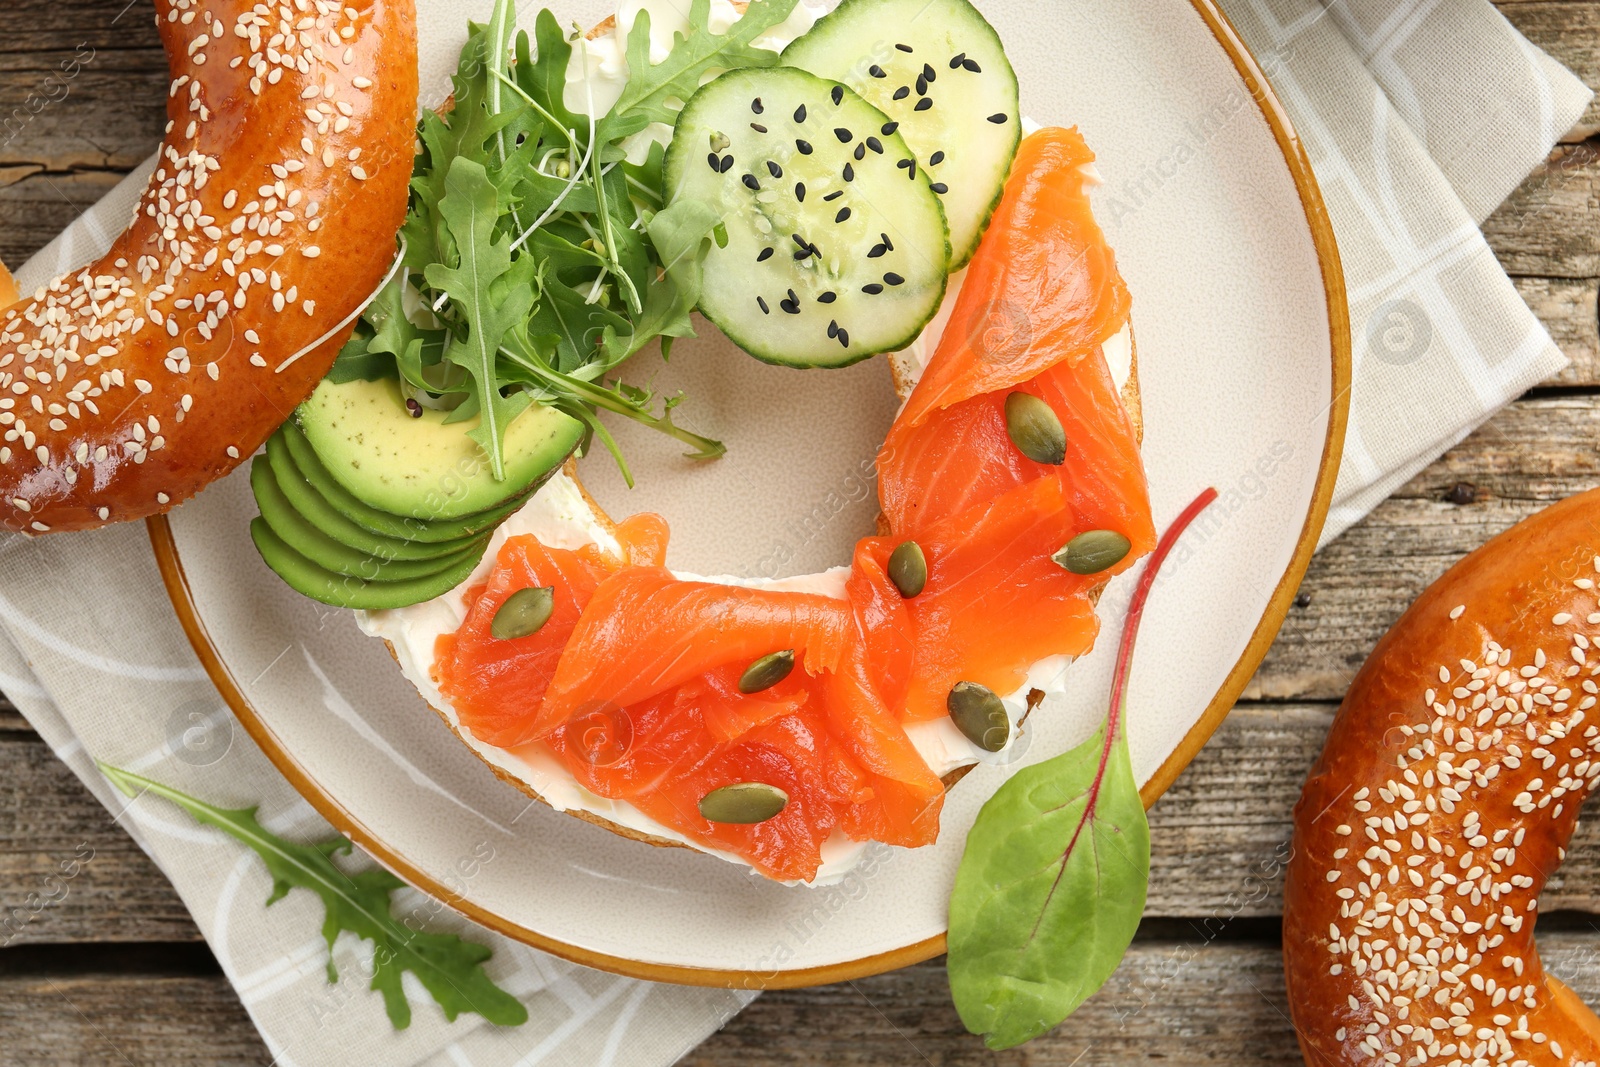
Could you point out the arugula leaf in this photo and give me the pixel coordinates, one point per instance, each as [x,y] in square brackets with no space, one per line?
[543,254]
[653,87]
[471,211]
[1053,880]
[450,969]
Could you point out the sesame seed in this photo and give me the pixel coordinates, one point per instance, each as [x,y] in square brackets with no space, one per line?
[1455,613]
[311,251]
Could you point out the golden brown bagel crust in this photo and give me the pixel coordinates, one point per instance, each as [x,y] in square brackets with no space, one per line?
[1447,792]
[127,387]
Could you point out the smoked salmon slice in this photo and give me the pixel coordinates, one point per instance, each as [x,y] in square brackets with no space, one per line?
[962,456]
[1043,286]
[495,686]
[646,632]
[995,602]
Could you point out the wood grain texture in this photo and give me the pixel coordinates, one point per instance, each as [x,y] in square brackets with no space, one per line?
[110,972]
[67,872]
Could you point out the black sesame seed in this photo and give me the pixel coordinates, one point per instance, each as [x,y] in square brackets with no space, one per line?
[790,306]
[922,86]
[903,164]
[844,213]
[756,126]
[716,164]
[957,61]
[755,105]
[894,279]
[804,147]
[904,47]
[875,144]
[886,242]
[827,298]
[877,252]
[800,113]
[844,337]
[936,159]
[844,135]
[929,73]
[877,71]
[766,254]
[833,328]
[940,187]
[972,65]
[750,181]
[838,95]
[924,104]
[804,253]
[831,197]
[727,164]
[801,241]
[902,92]
[793,299]
[800,191]
[762,301]
[774,170]
[861,151]
[889,128]
[999,120]
[873,289]
[849,173]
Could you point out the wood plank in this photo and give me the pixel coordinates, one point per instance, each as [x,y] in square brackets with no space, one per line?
[29,27]
[35,206]
[1544,229]
[1567,307]
[1185,1000]
[67,872]
[1528,456]
[56,1013]
[1570,31]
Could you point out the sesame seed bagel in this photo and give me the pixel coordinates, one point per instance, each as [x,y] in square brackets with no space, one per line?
[130,385]
[1445,797]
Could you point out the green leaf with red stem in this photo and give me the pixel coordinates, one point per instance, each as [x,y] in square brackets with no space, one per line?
[1052,884]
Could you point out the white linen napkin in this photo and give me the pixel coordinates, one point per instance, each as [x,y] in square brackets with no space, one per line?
[1419,115]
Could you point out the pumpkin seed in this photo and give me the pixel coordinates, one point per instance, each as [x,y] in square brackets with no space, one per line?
[1035,429]
[979,715]
[1093,552]
[766,672]
[524,613]
[908,569]
[743,803]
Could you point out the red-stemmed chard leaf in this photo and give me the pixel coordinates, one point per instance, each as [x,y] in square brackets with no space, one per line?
[1052,884]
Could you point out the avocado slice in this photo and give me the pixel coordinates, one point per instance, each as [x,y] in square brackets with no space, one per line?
[316,510]
[324,551]
[342,591]
[422,466]
[304,458]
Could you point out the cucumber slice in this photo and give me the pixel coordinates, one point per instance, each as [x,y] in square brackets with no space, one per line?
[837,248]
[324,551]
[937,68]
[341,591]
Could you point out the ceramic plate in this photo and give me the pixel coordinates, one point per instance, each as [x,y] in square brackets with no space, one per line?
[1245,365]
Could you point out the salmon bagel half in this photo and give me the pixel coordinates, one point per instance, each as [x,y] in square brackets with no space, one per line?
[130,385]
[1445,797]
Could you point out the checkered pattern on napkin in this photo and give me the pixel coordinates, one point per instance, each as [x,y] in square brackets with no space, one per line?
[1419,116]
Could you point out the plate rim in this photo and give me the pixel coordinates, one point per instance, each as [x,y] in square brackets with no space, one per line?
[181,595]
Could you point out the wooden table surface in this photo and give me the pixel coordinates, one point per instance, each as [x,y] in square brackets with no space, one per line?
[117,973]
